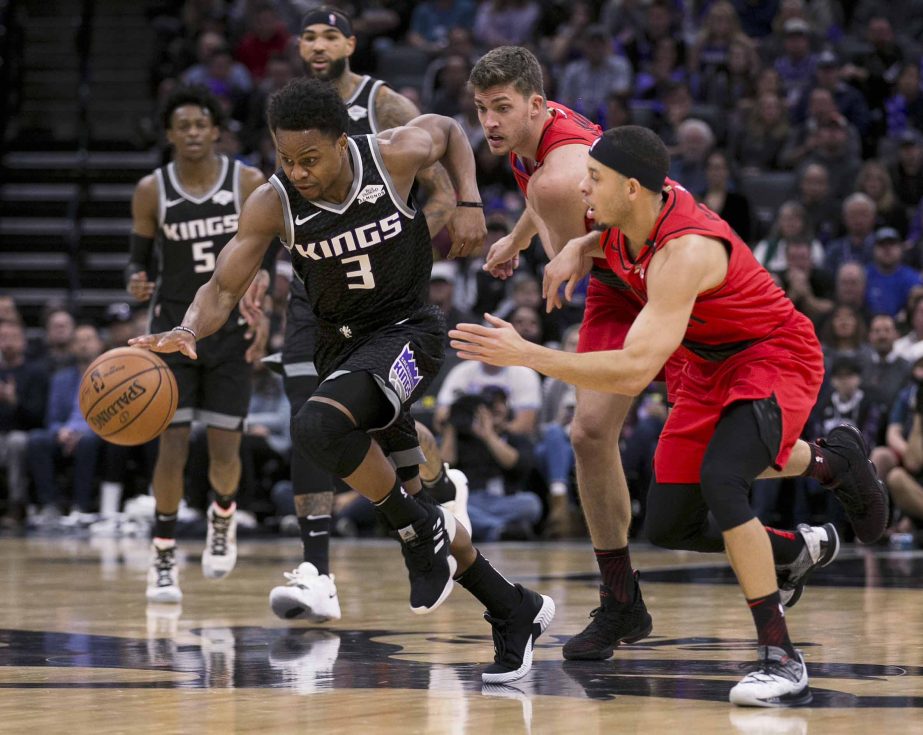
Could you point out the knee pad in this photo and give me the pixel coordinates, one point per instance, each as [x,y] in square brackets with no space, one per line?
[726,493]
[329,437]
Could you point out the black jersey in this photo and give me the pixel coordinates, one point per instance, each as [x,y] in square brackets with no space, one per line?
[366,261]
[193,230]
[361,107]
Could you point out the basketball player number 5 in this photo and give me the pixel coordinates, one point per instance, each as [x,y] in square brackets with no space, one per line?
[203,257]
[364,271]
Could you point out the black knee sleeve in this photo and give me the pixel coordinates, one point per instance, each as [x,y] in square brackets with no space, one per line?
[327,435]
[678,518]
[738,452]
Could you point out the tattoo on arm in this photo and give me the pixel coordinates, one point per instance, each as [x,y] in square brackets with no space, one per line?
[440,197]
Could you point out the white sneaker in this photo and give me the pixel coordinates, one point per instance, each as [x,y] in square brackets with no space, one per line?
[459,506]
[220,553]
[821,547]
[163,575]
[307,596]
[779,681]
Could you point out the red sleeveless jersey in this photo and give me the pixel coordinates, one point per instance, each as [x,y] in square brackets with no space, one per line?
[563,127]
[746,308]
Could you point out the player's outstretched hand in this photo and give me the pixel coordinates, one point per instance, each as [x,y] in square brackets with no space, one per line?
[498,344]
[569,266]
[503,258]
[173,341]
[468,230]
[140,287]
[251,303]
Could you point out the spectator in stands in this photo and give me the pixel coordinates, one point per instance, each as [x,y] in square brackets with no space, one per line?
[587,83]
[908,345]
[851,280]
[66,435]
[216,66]
[810,288]
[565,44]
[56,348]
[848,100]
[8,310]
[791,223]
[796,64]
[254,136]
[526,321]
[821,208]
[904,108]
[659,24]
[843,335]
[442,288]
[758,143]
[720,29]
[873,179]
[722,198]
[875,70]
[859,241]
[433,20]
[120,325]
[845,401]
[882,369]
[266,37]
[890,282]
[814,137]
[695,141]
[505,22]
[449,86]
[724,86]
[479,441]
[618,112]
[661,80]
[907,170]
[23,396]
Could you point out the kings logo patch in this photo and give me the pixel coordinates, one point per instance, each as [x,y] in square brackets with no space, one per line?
[404,375]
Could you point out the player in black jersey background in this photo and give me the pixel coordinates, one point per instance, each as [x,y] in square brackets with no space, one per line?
[326,44]
[183,215]
[343,208]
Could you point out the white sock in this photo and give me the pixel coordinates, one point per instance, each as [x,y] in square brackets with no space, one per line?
[110,498]
[558,488]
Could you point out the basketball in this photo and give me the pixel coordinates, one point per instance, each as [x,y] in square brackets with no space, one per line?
[128,396]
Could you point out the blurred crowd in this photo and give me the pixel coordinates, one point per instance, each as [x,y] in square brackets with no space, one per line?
[798,121]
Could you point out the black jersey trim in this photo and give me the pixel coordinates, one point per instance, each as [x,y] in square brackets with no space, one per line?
[219,184]
[358,173]
[286,211]
[402,207]
[370,109]
[355,95]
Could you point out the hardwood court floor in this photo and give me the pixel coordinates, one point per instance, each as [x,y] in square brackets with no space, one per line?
[80,651]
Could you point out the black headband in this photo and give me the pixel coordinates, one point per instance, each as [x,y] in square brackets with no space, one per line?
[604,151]
[329,17]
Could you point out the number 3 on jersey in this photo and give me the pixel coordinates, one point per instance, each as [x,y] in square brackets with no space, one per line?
[363,272]
[203,257]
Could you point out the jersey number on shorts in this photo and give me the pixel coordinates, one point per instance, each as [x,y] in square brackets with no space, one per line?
[203,257]
[363,272]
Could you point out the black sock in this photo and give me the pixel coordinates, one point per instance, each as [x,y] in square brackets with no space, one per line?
[225,501]
[769,617]
[615,567]
[786,545]
[441,488]
[164,525]
[490,588]
[315,538]
[822,465]
[399,509]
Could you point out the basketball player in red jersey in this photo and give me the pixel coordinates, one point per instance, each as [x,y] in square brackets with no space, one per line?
[753,368]
[547,145]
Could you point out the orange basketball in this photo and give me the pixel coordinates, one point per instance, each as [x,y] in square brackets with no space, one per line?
[128,395]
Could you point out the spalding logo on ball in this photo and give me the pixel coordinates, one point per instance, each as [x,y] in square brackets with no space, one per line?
[128,396]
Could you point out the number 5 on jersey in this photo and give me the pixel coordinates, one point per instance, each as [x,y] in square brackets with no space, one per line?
[363,272]
[203,257]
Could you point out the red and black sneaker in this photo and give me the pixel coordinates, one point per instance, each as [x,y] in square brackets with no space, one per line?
[855,483]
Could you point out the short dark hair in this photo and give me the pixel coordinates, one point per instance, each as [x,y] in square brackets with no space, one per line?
[508,65]
[308,104]
[198,96]
[643,145]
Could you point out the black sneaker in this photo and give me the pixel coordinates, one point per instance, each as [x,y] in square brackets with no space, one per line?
[856,484]
[821,546]
[612,623]
[425,545]
[515,636]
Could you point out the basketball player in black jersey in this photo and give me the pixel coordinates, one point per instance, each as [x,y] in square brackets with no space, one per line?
[342,206]
[326,44]
[183,215]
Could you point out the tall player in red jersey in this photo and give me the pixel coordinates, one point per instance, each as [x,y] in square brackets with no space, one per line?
[547,145]
[753,368]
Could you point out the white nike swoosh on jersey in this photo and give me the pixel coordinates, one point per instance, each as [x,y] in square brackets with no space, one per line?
[302,220]
[167,205]
[317,533]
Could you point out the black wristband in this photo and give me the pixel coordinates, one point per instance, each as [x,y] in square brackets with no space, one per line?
[479,205]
